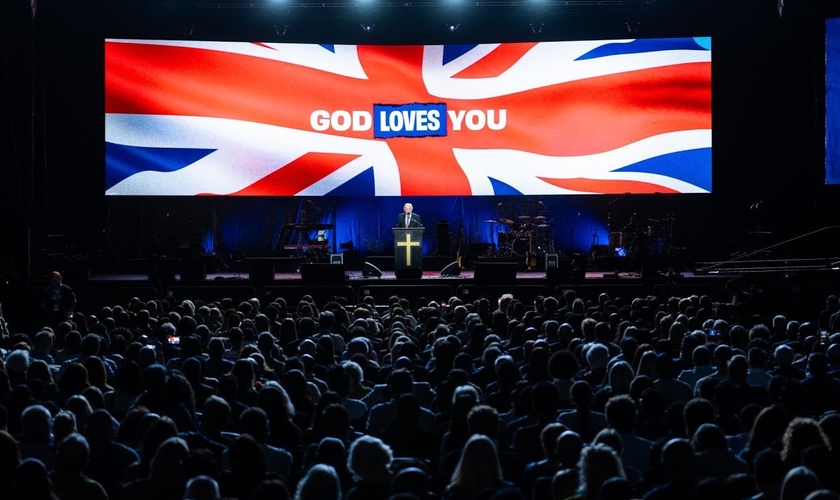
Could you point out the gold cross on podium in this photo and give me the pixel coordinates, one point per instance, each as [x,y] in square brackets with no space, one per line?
[408,244]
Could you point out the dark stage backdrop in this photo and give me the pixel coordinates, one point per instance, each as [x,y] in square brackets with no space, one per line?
[255,225]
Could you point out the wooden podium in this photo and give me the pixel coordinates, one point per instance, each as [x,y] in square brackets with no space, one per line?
[408,252]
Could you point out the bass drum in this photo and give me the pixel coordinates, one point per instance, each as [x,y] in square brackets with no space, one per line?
[522,245]
[506,243]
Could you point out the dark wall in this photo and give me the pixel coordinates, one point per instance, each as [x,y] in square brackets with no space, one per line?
[768,159]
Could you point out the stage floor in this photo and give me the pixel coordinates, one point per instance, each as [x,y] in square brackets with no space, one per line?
[104,288]
[107,289]
[466,275]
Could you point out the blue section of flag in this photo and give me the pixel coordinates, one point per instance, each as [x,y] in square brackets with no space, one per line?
[500,188]
[409,120]
[123,161]
[693,166]
[643,45]
[832,101]
[452,52]
[328,46]
[361,185]
[704,41]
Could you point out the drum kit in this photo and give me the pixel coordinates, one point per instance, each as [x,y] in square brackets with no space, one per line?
[526,236]
[644,235]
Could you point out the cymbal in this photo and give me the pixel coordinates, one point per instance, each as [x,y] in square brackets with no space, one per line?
[541,217]
[490,221]
[543,226]
[524,217]
[507,222]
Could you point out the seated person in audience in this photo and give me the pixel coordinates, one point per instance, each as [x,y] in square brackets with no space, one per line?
[383,414]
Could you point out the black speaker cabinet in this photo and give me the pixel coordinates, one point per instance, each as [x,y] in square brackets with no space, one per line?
[495,273]
[568,271]
[322,274]
[261,273]
[409,273]
[193,270]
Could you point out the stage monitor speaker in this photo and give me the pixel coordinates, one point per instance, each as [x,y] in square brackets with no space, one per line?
[261,273]
[552,260]
[451,270]
[336,258]
[193,270]
[322,274]
[371,271]
[495,273]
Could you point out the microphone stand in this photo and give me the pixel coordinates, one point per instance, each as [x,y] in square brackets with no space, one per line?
[572,233]
[609,212]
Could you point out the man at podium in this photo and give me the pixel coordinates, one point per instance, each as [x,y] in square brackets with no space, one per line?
[408,244]
[408,218]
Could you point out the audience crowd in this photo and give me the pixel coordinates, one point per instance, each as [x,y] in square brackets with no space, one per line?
[563,398]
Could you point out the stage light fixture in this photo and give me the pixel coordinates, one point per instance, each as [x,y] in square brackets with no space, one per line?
[366,27]
[536,28]
[452,27]
[281,29]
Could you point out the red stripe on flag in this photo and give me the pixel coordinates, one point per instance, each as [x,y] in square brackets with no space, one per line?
[497,61]
[297,175]
[428,168]
[606,186]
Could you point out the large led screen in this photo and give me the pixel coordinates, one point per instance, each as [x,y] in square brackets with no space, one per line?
[832,101]
[272,119]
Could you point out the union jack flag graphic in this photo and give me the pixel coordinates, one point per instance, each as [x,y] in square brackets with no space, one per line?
[274,119]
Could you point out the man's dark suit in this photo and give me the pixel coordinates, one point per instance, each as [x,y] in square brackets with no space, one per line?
[413,222]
